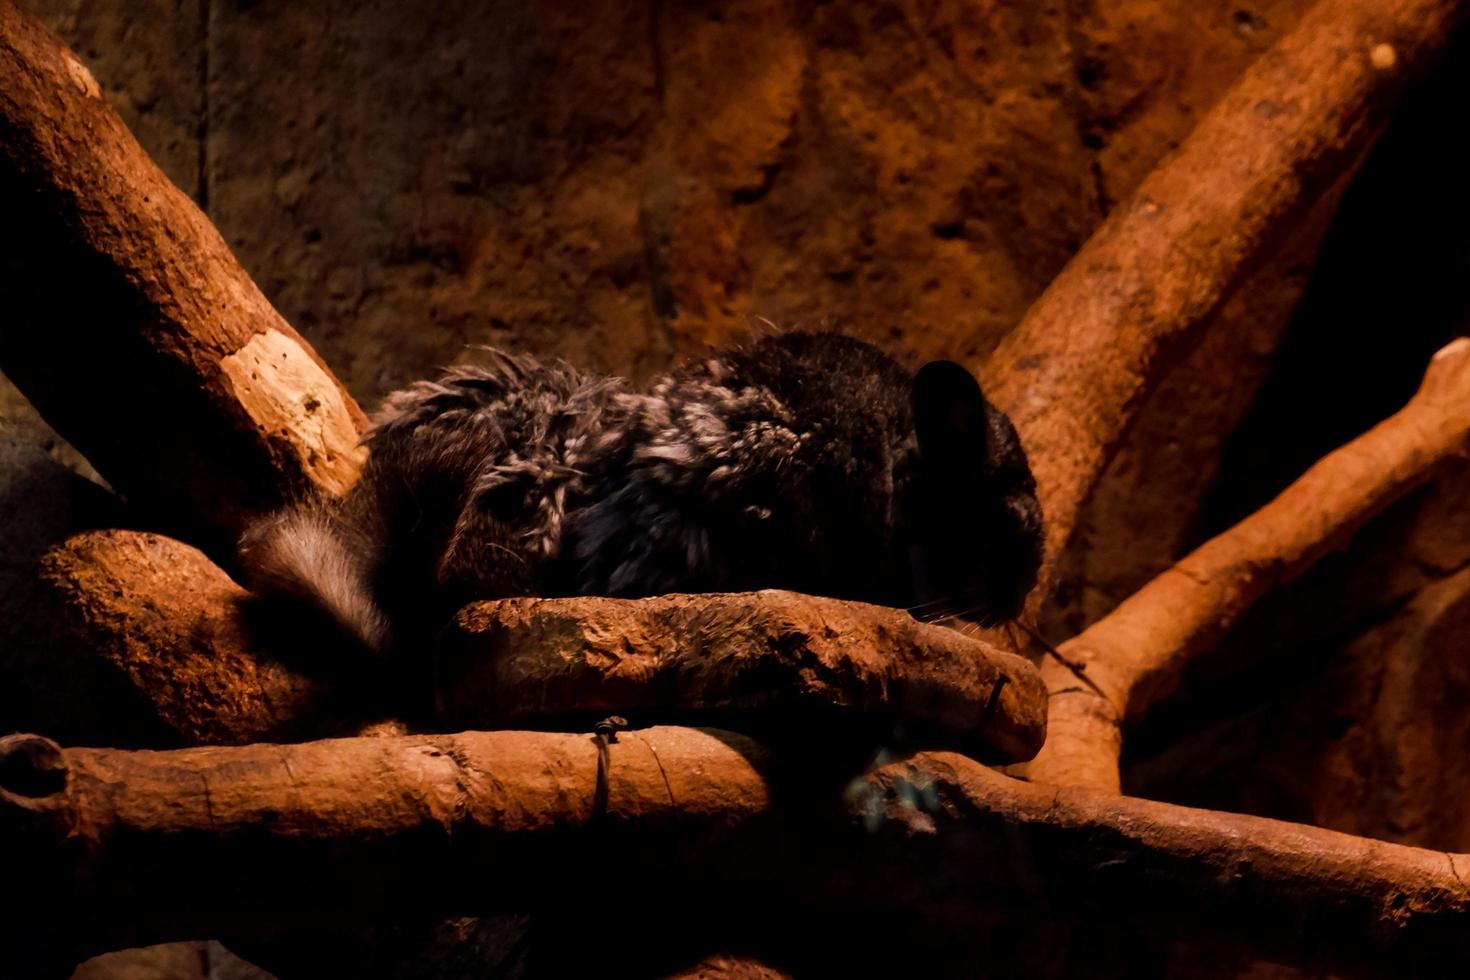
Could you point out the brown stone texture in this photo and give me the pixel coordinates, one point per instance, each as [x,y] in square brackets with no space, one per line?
[689,168]
[1373,744]
[619,182]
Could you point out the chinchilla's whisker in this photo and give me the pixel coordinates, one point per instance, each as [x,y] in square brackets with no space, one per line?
[969,612]
[1078,670]
[951,597]
[944,602]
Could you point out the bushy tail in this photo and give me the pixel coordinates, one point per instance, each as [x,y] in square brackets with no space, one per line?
[301,557]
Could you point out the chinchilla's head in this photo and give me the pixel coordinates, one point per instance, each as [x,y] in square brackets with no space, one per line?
[968,512]
[815,462]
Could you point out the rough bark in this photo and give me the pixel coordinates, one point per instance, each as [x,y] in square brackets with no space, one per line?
[1136,654]
[757,656]
[131,327]
[373,829]
[726,966]
[149,641]
[1075,371]
[171,961]
[1286,892]
[156,642]
[364,830]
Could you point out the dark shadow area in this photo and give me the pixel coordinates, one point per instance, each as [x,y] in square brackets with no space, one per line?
[1391,287]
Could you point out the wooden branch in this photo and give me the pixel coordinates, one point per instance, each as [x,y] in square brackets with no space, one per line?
[130,326]
[1076,370]
[359,830]
[170,657]
[149,641]
[726,966]
[1286,892]
[1136,654]
[99,840]
[775,655]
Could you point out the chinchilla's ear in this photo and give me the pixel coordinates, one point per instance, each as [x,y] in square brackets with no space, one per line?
[949,415]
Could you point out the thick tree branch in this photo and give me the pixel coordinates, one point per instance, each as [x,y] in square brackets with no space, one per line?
[724,966]
[1075,371]
[100,840]
[1281,891]
[1136,654]
[154,641]
[361,830]
[149,648]
[131,327]
[775,655]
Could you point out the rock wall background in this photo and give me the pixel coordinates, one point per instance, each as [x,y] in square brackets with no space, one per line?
[622,184]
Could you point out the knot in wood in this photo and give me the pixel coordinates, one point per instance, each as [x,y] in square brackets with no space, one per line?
[31,766]
[609,727]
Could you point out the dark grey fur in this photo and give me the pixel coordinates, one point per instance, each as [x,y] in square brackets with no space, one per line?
[810,462]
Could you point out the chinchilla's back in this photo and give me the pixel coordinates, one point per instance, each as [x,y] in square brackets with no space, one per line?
[460,498]
[790,463]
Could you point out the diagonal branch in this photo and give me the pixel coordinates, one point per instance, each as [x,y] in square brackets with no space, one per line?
[1076,370]
[131,327]
[100,840]
[1136,654]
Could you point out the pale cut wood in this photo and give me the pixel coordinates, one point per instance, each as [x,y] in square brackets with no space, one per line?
[130,326]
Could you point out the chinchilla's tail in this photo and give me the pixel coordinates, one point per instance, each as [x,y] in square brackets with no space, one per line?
[301,559]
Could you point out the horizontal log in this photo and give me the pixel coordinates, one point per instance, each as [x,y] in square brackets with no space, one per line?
[357,830]
[131,327]
[162,648]
[760,655]
[101,842]
[1077,369]
[1315,899]
[724,966]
